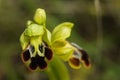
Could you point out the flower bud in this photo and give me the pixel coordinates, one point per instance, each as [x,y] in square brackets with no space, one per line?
[40,16]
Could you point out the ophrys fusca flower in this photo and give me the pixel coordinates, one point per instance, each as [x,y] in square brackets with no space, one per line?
[40,45]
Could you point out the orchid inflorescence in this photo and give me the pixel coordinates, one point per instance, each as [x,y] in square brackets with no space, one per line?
[40,45]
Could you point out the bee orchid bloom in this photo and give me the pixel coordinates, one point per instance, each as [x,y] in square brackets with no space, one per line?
[70,52]
[40,45]
[35,53]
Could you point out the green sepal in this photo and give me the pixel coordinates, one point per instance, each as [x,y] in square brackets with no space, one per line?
[62,31]
[24,40]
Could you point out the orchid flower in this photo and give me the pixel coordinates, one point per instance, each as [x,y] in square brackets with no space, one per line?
[40,45]
[67,51]
[35,52]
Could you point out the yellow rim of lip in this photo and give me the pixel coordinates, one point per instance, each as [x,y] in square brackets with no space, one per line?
[73,66]
[89,66]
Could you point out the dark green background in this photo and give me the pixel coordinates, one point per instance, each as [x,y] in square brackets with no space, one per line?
[103,48]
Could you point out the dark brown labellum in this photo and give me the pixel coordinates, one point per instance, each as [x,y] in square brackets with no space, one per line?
[48,53]
[38,61]
[75,61]
[25,55]
[85,57]
[33,65]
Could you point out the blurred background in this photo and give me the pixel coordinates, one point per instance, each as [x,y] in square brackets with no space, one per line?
[97,30]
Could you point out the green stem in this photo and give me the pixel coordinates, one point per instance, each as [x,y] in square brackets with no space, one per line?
[59,69]
[99,28]
[50,74]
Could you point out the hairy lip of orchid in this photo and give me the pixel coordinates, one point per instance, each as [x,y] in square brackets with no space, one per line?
[81,55]
[37,60]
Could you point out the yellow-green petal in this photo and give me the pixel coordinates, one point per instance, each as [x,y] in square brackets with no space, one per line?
[64,52]
[47,36]
[40,16]
[66,56]
[59,43]
[62,31]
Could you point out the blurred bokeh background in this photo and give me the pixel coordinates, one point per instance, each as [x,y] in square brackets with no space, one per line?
[97,30]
